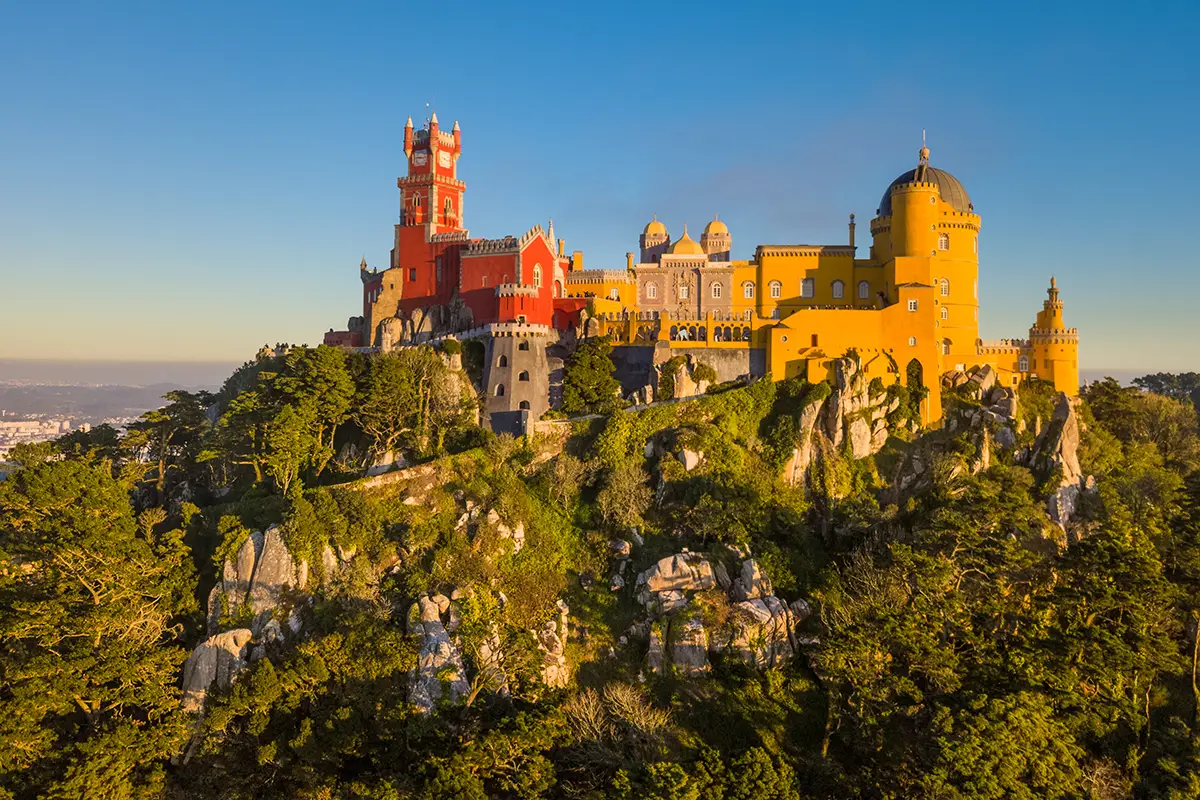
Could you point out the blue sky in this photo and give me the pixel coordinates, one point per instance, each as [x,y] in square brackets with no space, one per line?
[190,180]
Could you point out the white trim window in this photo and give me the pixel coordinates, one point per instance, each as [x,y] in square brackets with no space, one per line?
[839,290]
[944,286]
[652,290]
[912,305]
[716,290]
[864,290]
[685,291]
[945,313]
[943,241]
[1023,364]
[537,276]
[808,287]
[912,341]
[776,290]
[748,290]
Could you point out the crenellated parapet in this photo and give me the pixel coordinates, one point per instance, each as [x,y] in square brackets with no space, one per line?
[451,236]
[516,290]
[810,250]
[593,276]
[489,247]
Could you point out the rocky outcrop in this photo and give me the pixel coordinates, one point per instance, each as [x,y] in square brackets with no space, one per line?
[261,576]
[849,414]
[757,626]
[214,662]
[477,523]
[1055,454]
[439,673]
[552,643]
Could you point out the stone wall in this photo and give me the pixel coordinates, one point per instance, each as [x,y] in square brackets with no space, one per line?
[634,364]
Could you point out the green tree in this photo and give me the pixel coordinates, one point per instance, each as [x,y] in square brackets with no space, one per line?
[89,662]
[588,383]
[318,378]
[170,436]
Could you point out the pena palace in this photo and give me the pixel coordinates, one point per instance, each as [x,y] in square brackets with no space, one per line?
[909,307]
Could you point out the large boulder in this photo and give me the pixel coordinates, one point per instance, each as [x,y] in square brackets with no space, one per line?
[215,661]
[274,573]
[1056,452]
[684,571]
[552,642]
[439,673]
[751,583]
[689,646]
[762,631]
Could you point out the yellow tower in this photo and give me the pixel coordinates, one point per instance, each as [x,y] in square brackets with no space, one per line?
[1054,348]
[927,234]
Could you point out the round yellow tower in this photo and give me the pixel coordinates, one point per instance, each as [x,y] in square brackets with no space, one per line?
[927,233]
[1053,347]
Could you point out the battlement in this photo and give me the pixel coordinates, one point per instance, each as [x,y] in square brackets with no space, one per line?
[488,247]
[424,179]
[588,276]
[452,236]
[532,234]
[516,290]
[998,346]
[1056,334]
[835,250]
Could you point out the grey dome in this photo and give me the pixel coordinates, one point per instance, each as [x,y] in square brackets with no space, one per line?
[948,186]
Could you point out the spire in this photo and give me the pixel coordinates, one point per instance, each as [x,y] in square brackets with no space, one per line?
[363,265]
[409,123]
[433,119]
[550,233]
[924,154]
[455,125]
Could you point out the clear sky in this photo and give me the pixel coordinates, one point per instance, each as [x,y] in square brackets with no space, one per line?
[191,180]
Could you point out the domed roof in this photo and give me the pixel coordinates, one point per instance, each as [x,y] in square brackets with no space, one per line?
[686,246]
[949,188]
[715,227]
[654,228]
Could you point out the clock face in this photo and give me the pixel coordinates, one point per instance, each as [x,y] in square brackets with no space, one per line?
[444,158]
[420,158]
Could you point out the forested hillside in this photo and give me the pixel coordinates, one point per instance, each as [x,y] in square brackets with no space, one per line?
[771,591]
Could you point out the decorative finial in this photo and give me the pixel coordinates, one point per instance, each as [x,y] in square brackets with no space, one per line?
[852,217]
[455,125]
[409,123]
[685,229]
[924,155]
[655,218]
[363,265]
[714,217]
[433,119]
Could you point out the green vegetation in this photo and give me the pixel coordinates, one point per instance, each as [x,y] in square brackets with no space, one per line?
[588,383]
[960,646]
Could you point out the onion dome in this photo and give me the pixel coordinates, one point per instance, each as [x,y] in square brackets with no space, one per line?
[949,187]
[716,227]
[686,245]
[654,228]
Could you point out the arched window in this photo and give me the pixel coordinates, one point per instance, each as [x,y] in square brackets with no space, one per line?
[483,282]
[839,290]
[1023,364]
[614,294]
[864,290]
[945,347]
[499,390]
[944,287]
[558,288]
[716,289]
[523,405]
[912,341]
[537,276]
[776,289]
[912,305]
[449,210]
[685,291]
[943,241]
[503,362]
[748,290]
[523,346]
[807,287]
[945,313]
[524,376]
[652,290]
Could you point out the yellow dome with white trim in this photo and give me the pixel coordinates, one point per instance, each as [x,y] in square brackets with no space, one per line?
[654,228]
[715,227]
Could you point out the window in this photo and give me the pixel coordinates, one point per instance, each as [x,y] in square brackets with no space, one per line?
[523,405]
[716,290]
[943,241]
[439,269]
[524,377]
[499,390]
[839,290]
[503,362]
[651,290]
[912,341]
[523,346]
[449,211]
[864,290]
[945,313]
[483,282]
[748,290]
[1023,364]
[945,347]
[412,274]
[774,313]
[537,276]
[814,340]
[807,287]
[614,294]
[558,289]
[944,287]
[685,291]
[912,305]
[976,245]
[776,289]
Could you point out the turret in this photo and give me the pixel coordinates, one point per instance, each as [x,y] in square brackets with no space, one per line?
[1054,347]
[457,138]
[852,230]
[654,241]
[716,240]
[408,138]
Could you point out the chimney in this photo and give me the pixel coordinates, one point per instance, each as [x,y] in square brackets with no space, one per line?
[629,261]
[852,230]
[576,260]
